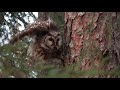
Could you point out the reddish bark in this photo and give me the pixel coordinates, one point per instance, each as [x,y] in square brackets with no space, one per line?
[89,36]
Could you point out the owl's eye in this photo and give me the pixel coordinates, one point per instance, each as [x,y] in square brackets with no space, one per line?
[50,39]
[58,39]
[58,35]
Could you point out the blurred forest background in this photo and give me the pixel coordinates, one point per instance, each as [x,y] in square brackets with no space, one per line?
[98,45]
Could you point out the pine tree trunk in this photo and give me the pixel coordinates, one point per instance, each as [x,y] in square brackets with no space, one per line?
[93,39]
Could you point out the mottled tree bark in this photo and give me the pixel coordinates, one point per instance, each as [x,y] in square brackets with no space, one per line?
[93,38]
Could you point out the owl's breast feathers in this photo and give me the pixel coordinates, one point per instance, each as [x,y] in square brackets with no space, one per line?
[41,47]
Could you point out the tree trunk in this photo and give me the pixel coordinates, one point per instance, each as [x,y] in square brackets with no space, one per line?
[93,39]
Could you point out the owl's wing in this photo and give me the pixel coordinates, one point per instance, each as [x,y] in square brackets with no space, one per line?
[37,26]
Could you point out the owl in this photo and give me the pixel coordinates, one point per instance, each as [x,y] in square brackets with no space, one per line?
[46,44]
[47,48]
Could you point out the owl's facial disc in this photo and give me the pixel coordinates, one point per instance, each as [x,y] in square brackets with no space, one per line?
[58,42]
[50,42]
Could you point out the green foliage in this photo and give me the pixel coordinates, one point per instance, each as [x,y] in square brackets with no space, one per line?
[105,60]
[12,59]
[115,72]
[13,64]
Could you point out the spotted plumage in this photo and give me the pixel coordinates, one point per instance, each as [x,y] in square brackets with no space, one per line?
[46,41]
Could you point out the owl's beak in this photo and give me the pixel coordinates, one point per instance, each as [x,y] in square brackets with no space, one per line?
[55,48]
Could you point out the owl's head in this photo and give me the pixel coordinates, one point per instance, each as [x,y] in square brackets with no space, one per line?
[52,41]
